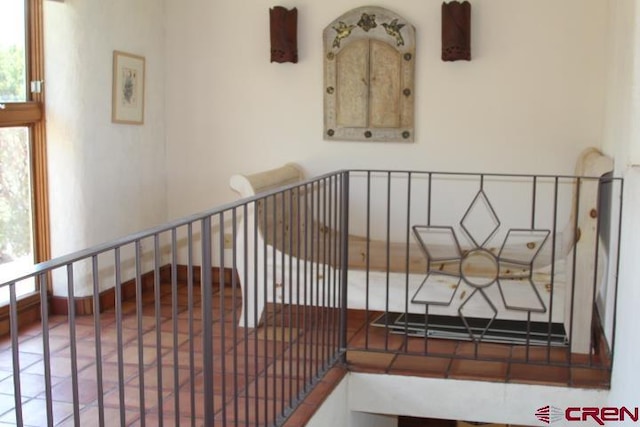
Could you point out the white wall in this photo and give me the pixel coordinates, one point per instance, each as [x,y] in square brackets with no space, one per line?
[366,419]
[529,101]
[622,139]
[477,401]
[626,375]
[362,399]
[620,81]
[334,410]
[106,180]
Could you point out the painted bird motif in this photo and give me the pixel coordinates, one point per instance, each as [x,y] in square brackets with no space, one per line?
[343,31]
[393,29]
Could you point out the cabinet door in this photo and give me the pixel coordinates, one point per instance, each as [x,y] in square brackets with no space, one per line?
[352,83]
[385,88]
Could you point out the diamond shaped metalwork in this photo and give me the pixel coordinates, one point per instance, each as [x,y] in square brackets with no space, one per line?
[439,243]
[522,246]
[480,222]
[479,268]
[437,289]
[521,294]
[480,326]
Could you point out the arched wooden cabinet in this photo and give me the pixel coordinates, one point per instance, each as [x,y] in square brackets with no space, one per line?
[369,77]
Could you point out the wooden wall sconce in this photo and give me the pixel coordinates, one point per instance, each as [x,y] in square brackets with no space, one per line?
[456,31]
[284,34]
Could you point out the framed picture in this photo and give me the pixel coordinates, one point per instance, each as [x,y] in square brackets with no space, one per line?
[128,88]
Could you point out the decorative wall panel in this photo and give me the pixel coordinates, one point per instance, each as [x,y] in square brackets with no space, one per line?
[369,76]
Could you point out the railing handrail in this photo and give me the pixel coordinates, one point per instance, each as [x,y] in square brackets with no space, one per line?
[487,174]
[70,258]
[61,261]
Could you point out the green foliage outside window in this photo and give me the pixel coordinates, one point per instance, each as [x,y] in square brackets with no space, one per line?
[12,74]
[15,195]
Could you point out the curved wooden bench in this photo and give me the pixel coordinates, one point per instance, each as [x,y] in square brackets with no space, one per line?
[277,259]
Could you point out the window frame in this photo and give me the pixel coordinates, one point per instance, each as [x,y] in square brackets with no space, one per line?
[31,114]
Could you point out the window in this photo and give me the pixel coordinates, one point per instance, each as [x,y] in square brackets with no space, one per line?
[24,236]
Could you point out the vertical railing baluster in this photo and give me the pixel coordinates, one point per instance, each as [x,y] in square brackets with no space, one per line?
[141,372]
[533,226]
[323,285]
[528,337]
[429,192]
[596,271]
[312,275]
[270,318]
[617,275]
[534,199]
[256,315]
[207,323]
[406,266]
[426,306]
[44,313]
[119,340]
[221,321]
[344,262]
[234,316]
[274,274]
[299,310]
[158,312]
[316,279]
[387,264]
[244,296]
[367,261]
[289,228]
[331,227]
[553,265]
[306,284]
[334,262]
[190,304]
[426,329]
[174,316]
[576,230]
[98,335]
[285,220]
[15,352]
[71,308]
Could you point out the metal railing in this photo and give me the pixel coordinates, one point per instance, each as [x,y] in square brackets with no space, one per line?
[229,317]
[162,341]
[524,266]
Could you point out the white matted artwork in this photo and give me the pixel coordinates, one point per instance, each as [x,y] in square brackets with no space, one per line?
[128,88]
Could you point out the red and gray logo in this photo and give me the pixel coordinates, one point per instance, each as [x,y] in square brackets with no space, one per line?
[549,414]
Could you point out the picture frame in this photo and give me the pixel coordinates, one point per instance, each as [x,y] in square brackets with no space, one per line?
[128,88]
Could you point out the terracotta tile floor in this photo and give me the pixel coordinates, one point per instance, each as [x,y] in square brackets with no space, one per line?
[257,375]
[372,349]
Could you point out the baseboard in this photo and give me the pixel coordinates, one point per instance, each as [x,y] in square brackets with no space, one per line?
[59,305]
[216,276]
[28,313]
